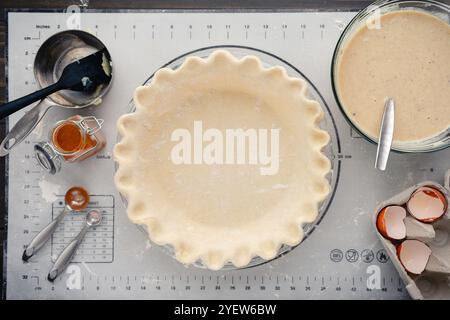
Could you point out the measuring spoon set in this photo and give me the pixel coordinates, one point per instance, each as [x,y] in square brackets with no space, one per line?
[76,199]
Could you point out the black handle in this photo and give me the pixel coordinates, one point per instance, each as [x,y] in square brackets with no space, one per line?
[13,106]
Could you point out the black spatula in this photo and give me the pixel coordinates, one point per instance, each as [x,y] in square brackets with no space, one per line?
[84,75]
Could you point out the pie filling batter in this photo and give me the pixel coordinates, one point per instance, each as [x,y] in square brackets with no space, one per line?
[220,209]
[408,59]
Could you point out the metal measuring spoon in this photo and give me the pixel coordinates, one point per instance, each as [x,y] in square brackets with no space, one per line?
[54,55]
[93,218]
[76,199]
[386,135]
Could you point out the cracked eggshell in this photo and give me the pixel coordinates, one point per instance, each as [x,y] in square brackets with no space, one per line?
[427,204]
[414,255]
[390,222]
[410,280]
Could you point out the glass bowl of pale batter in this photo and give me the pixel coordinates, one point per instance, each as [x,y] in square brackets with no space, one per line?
[397,49]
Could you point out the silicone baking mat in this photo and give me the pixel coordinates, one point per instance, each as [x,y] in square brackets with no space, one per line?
[342,258]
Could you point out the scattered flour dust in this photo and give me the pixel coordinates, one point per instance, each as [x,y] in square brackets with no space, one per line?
[148,245]
[49,190]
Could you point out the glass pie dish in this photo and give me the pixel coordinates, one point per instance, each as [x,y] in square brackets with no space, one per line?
[367,16]
[269,60]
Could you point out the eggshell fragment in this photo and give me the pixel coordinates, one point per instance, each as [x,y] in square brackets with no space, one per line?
[427,204]
[414,255]
[390,222]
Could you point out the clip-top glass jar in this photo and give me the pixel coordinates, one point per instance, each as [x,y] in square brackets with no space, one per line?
[70,140]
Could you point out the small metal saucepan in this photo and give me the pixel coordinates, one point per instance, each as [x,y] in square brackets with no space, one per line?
[52,57]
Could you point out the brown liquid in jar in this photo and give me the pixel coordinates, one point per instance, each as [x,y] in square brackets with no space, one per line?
[69,139]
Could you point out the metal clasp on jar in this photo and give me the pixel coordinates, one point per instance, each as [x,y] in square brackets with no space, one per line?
[91,130]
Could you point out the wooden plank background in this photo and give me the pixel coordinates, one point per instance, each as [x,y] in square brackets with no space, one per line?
[6,5]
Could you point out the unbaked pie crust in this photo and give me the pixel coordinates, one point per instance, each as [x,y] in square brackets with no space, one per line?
[222,213]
